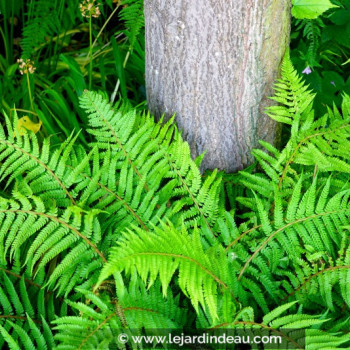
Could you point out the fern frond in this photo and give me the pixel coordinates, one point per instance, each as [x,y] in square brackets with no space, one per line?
[46,236]
[311,30]
[318,339]
[153,163]
[25,310]
[134,140]
[328,284]
[44,23]
[320,144]
[289,329]
[317,225]
[295,101]
[141,309]
[44,171]
[265,255]
[132,15]
[165,251]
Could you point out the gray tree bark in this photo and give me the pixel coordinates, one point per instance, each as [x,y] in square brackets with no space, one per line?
[213,63]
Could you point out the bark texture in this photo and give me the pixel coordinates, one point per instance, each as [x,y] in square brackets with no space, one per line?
[213,63]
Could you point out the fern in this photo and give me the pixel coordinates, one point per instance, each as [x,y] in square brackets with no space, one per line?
[132,15]
[128,236]
[172,250]
[42,24]
[311,31]
[26,310]
[44,171]
[73,236]
[315,222]
[292,94]
[325,283]
[151,167]
[316,145]
[136,308]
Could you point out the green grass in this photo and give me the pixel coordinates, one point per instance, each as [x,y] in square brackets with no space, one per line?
[71,53]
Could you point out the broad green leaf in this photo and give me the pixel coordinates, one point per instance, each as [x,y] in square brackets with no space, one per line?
[310,9]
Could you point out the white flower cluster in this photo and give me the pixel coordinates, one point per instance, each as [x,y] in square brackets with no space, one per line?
[90,8]
[26,66]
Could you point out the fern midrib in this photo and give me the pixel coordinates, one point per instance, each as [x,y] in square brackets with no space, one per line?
[242,235]
[302,285]
[96,330]
[43,165]
[63,223]
[135,308]
[272,236]
[133,213]
[117,140]
[290,160]
[191,195]
[20,277]
[24,318]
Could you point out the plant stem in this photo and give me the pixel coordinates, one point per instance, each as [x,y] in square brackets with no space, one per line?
[30,92]
[5,44]
[90,52]
[114,94]
[104,26]
[23,110]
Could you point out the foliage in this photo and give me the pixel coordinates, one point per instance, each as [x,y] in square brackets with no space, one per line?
[43,21]
[129,235]
[107,224]
[132,14]
[320,49]
[310,9]
[55,36]
[27,310]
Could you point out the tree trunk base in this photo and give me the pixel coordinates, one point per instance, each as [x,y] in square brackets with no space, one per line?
[213,63]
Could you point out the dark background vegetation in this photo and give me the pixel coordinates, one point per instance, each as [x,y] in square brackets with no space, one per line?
[56,37]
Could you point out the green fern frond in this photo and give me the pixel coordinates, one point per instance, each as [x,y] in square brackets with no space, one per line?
[315,145]
[163,253]
[329,284]
[42,25]
[318,339]
[137,308]
[295,101]
[132,15]
[311,221]
[74,236]
[44,170]
[25,312]
[289,329]
[317,223]
[311,30]
[152,163]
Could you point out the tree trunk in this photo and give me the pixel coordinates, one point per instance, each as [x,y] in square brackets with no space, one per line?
[213,63]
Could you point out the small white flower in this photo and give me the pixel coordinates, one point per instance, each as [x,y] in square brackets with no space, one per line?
[90,8]
[26,66]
